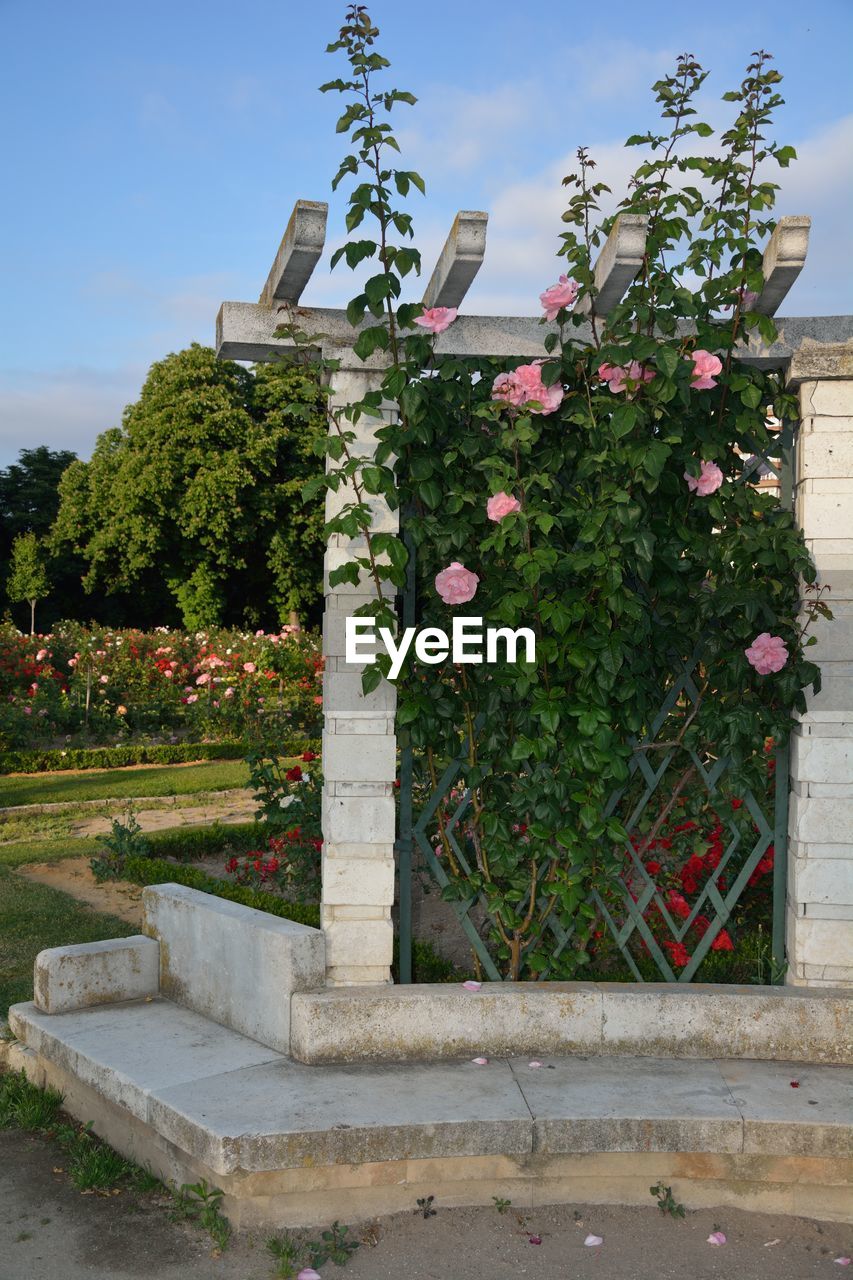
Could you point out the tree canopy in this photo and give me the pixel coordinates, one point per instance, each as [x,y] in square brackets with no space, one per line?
[199,489]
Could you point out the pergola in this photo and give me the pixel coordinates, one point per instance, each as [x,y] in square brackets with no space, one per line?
[359,744]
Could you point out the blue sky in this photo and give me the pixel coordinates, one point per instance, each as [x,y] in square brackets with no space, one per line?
[157,149]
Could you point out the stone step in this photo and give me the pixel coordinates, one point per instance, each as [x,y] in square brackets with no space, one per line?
[193,1098]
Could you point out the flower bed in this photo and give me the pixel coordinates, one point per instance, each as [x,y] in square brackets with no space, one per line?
[84,685]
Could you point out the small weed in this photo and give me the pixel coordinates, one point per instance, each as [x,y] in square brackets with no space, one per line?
[201,1203]
[666,1201]
[23,1106]
[500,1204]
[92,1166]
[125,841]
[333,1246]
[425,1206]
[287,1253]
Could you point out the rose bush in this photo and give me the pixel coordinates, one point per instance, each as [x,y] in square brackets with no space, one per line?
[641,553]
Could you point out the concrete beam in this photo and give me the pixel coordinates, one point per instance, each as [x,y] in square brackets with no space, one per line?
[298,254]
[784,259]
[246,331]
[617,264]
[459,260]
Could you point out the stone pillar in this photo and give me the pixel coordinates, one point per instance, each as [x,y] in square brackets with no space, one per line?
[359,743]
[820,860]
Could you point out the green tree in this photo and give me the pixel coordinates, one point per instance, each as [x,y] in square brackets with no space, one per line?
[28,575]
[200,489]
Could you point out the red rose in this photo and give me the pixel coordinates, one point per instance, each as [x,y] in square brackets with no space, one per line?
[678,953]
[653,868]
[722,942]
[308,756]
[678,905]
[294,774]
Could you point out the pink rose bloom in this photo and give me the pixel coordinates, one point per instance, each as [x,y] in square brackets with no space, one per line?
[28,711]
[229,692]
[104,679]
[561,294]
[72,662]
[767,653]
[502,504]
[525,384]
[618,376]
[250,667]
[705,369]
[436,319]
[41,655]
[121,710]
[456,584]
[708,481]
[203,679]
[168,674]
[193,697]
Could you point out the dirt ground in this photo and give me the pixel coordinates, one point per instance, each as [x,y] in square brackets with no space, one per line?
[50,1231]
[236,808]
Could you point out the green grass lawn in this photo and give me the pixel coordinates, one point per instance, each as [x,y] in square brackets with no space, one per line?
[102,784]
[33,917]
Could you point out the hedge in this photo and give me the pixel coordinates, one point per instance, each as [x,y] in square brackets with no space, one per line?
[35,761]
[427,964]
[187,843]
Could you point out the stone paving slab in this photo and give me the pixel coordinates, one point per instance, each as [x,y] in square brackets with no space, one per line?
[810,1109]
[284,1115]
[127,1050]
[642,1104]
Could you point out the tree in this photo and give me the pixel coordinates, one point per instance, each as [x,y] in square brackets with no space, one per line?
[28,576]
[199,489]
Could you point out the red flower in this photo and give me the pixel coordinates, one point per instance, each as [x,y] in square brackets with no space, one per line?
[737,804]
[294,774]
[232,864]
[678,953]
[701,925]
[678,905]
[685,826]
[722,942]
[308,756]
[653,867]
[713,856]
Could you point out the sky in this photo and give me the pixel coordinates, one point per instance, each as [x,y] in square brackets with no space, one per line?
[156,150]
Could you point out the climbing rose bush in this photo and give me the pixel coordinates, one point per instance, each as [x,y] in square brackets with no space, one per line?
[641,553]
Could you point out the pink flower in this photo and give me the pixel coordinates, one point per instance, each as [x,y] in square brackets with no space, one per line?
[41,655]
[436,319]
[472,985]
[501,505]
[250,667]
[525,384]
[480,1062]
[716,1237]
[556,296]
[308,1273]
[708,481]
[767,653]
[28,711]
[705,369]
[456,584]
[229,692]
[203,679]
[72,662]
[618,377]
[168,674]
[193,697]
[104,679]
[121,710]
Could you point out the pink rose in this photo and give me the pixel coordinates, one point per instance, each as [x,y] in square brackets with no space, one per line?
[708,481]
[561,294]
[203,679]
[767,653]
[121,710]
[525,384]
[229,692]
[436,319]
[104,679]
[501,505]
[456,584]
[250,667]
[619,376]
[41,655]
[168,674]
[28,711]
[705,369]
[193,697]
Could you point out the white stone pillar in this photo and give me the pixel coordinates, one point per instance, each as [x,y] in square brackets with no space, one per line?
[820,856]
[359,743]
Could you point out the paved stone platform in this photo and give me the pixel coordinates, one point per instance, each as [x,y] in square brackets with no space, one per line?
[292,1143]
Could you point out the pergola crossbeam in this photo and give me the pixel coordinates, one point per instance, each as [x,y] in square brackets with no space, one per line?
[459,260]
[298,254]
[784,259]
[617,264]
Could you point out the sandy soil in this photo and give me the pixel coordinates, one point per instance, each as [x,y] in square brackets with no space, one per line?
[73,876]
[50,1231]
[238,808]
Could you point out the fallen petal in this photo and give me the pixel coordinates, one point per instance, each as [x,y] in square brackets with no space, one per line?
[480,1062]
[534,1239]
[795,1084]
[592,1241]
[534,1063]
[308,1273]
[716,1237]
[471,985]
[843,1262]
